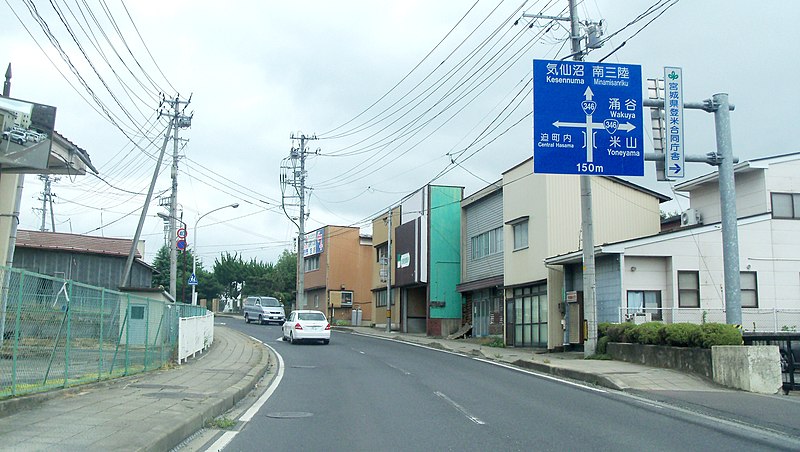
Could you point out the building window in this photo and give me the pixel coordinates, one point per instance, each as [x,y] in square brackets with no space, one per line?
[380,253]
[786,205]
[490,242]
[749,286]
[316,300]
[688,289]
[530,316]
[645,301]
[520,234]
[311,263]
[347,298]
[380,298]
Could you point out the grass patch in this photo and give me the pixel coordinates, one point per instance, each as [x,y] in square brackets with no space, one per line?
[600,356]
[222,422]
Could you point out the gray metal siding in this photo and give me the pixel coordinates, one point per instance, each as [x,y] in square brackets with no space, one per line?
[483,216]
[609,288]
[91,269]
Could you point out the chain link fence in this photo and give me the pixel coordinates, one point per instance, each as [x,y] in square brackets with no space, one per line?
[753,319]
[58,333]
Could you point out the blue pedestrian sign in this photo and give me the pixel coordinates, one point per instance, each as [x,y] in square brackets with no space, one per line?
[587,118]
[193,280]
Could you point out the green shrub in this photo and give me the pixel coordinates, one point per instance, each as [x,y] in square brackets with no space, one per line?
[711,334]
[602,329]
[681,334]
[602,345]
[619,332]
[648,333]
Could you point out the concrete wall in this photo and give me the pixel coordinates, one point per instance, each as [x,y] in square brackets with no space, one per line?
[754,368]
[692,360]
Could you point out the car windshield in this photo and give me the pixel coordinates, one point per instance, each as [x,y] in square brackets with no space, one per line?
[271,302]
[310,316]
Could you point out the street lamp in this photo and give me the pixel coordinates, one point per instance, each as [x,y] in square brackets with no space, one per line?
[194,241]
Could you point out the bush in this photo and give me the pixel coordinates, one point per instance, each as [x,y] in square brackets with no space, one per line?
[602,329]
[620,332]
[648,333]
[681,334]
[602,345]
[711,334]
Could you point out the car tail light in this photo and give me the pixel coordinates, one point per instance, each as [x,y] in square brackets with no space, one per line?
[328,326]
[297,326]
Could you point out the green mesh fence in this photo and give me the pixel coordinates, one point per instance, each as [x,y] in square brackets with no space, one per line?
[58,333]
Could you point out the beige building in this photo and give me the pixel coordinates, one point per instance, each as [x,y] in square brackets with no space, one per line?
[381,268]
[542,218]
[336,264]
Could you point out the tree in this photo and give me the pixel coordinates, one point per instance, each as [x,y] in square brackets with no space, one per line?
[161,264]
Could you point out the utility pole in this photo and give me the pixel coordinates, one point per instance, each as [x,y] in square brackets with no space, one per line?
[177,107]
[47,197]
[293,174]
[177,120]
[389,273]
[587,225]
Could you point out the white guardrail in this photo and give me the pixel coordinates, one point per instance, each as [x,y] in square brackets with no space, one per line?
[195,334]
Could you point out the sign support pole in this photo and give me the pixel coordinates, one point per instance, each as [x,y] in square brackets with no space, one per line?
[587,227]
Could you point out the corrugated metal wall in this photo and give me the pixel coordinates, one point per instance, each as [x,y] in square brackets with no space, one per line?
[483,216]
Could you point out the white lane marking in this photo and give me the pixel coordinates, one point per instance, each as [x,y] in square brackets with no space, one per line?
[406,343]
[222,441]
[280,339]
[507,366]
[541,375]
[226,438]
[404,372]
[460,408]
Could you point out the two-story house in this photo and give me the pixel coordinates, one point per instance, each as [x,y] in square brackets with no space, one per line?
[542,218]
[678,276]
[336,266]
[482,260]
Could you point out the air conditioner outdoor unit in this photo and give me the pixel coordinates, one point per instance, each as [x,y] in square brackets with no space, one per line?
[642,317]
[690,217]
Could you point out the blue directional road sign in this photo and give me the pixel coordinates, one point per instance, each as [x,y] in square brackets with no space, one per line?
[587,118]
[193,280]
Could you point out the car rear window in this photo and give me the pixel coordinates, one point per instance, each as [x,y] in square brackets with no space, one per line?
[310,316]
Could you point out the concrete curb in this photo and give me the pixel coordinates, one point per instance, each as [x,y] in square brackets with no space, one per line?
[196,422]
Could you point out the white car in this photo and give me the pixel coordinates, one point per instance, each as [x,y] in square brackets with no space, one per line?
[306,325]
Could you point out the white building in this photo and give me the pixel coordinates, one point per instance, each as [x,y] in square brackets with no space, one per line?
[677,276]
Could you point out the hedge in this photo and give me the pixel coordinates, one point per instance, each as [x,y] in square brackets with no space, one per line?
[674,334]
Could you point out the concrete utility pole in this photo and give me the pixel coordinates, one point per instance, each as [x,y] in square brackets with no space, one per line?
[295,177]
[47,197]
[126,275]
[587,225]
[389,273]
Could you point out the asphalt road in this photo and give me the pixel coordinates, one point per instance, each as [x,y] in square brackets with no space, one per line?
[364,393]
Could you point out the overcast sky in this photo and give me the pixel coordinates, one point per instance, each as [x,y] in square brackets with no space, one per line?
[396,91]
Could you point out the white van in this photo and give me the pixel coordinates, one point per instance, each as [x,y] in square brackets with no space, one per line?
[263,310]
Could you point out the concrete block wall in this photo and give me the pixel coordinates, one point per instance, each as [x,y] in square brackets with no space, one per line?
[754,368]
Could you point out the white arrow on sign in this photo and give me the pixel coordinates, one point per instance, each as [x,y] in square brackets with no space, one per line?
[611,125]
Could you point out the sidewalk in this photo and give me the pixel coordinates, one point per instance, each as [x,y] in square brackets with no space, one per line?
[618,375]
[149,411]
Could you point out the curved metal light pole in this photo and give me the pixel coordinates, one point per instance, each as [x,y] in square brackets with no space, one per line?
[194,244]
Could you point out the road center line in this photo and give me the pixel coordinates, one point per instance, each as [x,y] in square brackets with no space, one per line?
[460,408]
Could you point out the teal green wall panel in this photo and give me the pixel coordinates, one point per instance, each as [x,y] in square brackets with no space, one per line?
[445,252]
